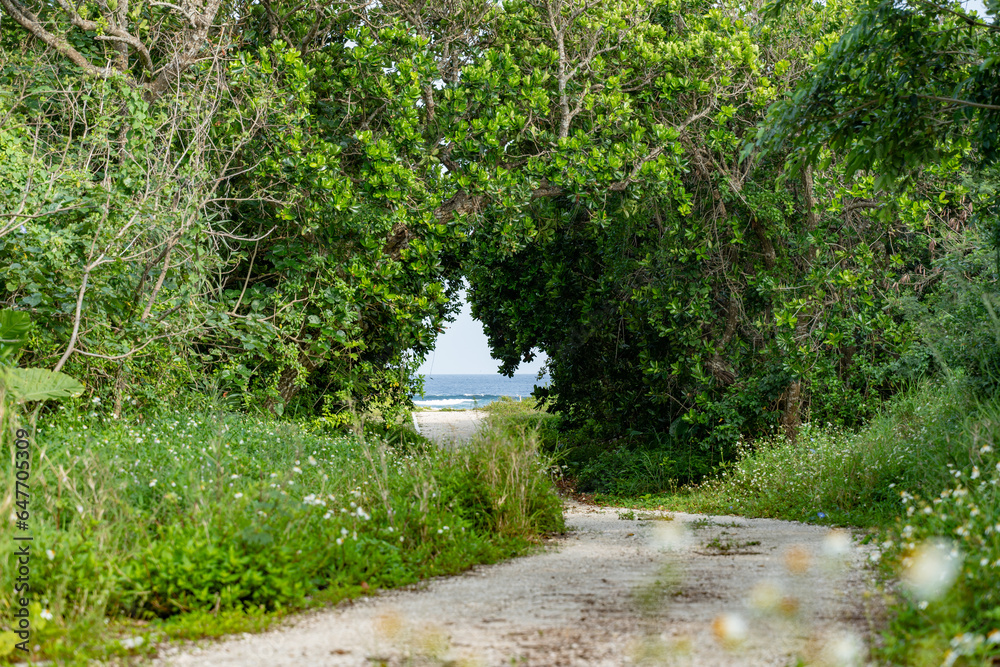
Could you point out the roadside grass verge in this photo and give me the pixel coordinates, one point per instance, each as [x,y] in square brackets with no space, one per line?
[525,416]
[197,523]
[838,477]
[923,477]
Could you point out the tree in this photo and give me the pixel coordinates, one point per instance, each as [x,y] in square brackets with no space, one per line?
[681,294]
[293,214]
[229,226]
[906,86]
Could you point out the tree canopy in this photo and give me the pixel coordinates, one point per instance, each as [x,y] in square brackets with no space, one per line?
[283,199]
[906,85]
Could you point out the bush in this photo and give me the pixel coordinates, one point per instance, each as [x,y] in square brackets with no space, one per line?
[961,623]
[959,321]
[835,476]
[513,476]
[526,416]
[627,472]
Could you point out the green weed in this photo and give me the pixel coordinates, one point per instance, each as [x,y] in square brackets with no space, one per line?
[527,415]
[832,476]
[728,546]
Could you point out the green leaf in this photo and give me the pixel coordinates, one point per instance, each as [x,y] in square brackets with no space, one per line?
[39,384]
[14,327]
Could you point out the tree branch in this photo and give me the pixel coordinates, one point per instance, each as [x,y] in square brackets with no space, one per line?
[30,22]
[192,42]
[114,33]
[991,107]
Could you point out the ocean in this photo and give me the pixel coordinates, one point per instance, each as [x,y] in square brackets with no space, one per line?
[471,391]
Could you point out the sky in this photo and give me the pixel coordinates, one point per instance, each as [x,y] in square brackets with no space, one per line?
[462,349]
[977,5]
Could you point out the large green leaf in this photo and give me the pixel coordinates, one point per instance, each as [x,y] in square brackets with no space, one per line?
[14,326]
[39,384]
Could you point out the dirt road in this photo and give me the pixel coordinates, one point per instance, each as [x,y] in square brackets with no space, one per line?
[620,588]
[448,428]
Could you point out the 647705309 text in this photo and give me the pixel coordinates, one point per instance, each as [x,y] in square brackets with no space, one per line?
[21,625]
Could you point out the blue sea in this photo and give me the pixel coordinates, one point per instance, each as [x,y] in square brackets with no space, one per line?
[471,391]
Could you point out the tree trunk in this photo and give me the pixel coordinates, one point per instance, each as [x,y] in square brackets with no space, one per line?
[792,417]
[287,387]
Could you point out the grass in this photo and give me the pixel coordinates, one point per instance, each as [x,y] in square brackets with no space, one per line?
[837,477]
[525,416]
[728,546]
[923,477]
[199,523]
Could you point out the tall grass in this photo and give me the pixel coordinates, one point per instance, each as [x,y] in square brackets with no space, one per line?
[221,516]
[842,477]
[525,416]
[513,476]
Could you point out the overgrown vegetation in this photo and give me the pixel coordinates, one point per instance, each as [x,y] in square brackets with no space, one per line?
[924,473]
[180,519]
[284,202]
[735,228]
[922,477]
[516,418]
[839,477]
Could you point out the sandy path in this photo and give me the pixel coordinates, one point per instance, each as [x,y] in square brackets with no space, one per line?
[448,428]
[593,598]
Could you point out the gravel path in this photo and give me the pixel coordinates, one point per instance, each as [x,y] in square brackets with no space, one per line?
[448,428]
[620,588]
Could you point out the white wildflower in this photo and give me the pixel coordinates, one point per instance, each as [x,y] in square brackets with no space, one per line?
[932,569]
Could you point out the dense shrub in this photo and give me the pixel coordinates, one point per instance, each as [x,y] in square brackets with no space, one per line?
[833,475]
[957,533]
[959,320]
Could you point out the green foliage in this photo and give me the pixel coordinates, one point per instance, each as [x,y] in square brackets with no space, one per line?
[959,624]
[835,476]
[518,417]
[905,86]
[697,299]
[28,384]
[38,384]
[231,245]
[957,319]
[195,513]
[309,204]
[14,328]
[509,497]
[626,472]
